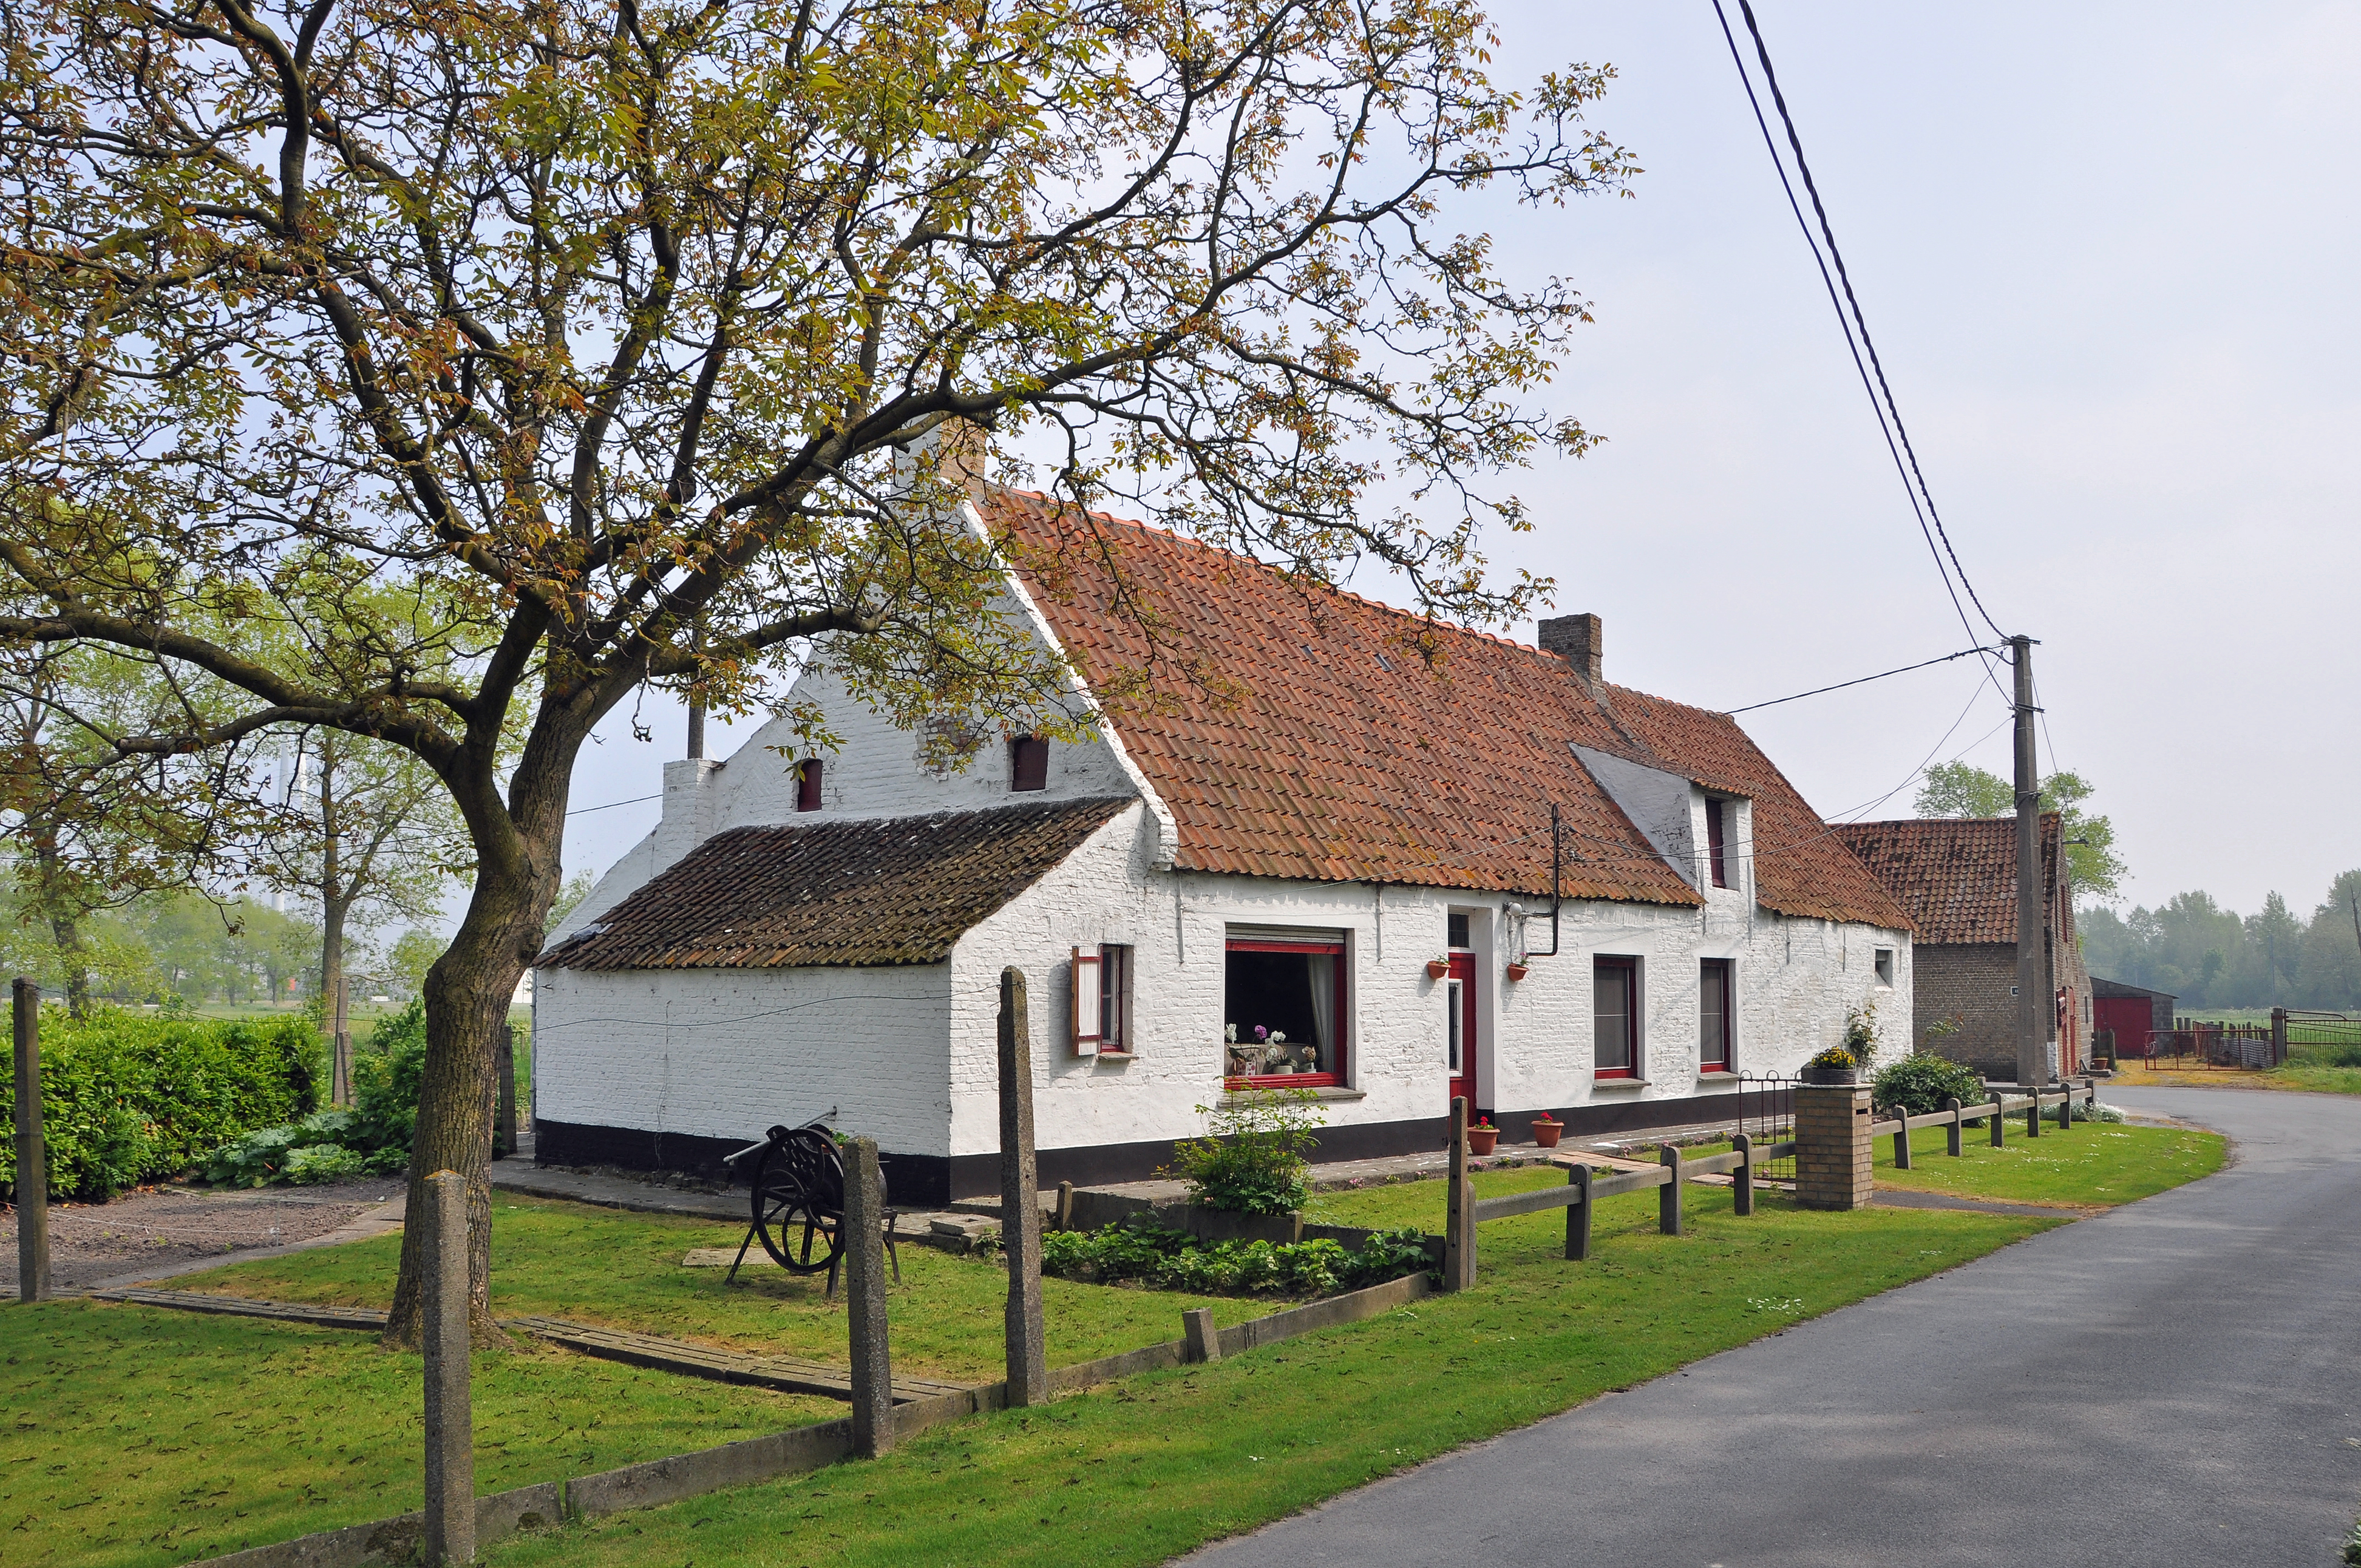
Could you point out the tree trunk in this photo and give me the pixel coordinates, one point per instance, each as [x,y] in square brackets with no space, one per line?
[66,932]
[333,901]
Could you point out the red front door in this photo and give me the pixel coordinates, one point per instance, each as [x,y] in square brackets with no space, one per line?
[1459,1026]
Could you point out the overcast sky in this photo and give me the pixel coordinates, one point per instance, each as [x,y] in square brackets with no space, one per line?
[2107,253]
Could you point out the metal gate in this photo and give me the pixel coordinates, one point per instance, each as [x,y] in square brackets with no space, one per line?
[1766,1114]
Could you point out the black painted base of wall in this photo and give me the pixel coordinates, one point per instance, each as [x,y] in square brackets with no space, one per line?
[923,1180]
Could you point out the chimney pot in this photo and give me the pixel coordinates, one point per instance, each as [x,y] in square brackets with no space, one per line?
[1576,639]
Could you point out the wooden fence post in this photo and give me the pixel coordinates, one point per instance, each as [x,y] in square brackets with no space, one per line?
[1459,1215]
[1952,1132]
[1901,1137]
[1741,1180]
[32,1150]
[865,1301]
[1578,1216]
[450,1424]
[1998,1121]
[504,1117]
[2033,1114]
[340,1065]
[1020,1199]
[1668,1196]
[2066,1109]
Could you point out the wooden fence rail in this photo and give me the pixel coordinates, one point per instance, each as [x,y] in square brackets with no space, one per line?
[1585,1187]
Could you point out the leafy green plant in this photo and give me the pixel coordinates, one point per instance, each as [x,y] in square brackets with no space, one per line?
[1920,1085]
[1862,1033]
[1176,1260]
[371,1138]
[1835,1058]
[1253,1162]
[2089,1111]
[128,1099]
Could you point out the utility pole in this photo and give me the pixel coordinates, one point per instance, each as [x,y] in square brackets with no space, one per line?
[2033,1007]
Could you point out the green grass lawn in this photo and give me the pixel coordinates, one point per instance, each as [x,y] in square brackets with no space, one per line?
[2098,1162]
[136,1438]
[1136,1473]
[596,1266]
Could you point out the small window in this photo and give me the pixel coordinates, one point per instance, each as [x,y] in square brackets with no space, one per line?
[1283,1012]
[1713,1015]
[1455,928]
[807,785]
[1717,839]
[1028,762]
[1614,1012]
[1101,1001]
[1885,966]
[1455,1028]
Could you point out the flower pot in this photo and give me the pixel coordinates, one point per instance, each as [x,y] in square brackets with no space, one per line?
[1518,972]
[1437,968]
[1482,1140]
[1546,1133]
[1831,1075]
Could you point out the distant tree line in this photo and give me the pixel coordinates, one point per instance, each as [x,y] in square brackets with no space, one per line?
[2211,957]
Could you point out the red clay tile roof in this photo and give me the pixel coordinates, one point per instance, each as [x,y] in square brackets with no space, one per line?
[1955,875]
[1294,732]
[889,891]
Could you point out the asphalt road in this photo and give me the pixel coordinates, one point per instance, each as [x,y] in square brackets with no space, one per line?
[2175,1382]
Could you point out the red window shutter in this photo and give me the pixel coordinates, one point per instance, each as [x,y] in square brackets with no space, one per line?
[807,785]
[1087,1026]
[1716,842]
[1028,762]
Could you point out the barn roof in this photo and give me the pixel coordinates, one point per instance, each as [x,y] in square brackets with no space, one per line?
[899,890]
[1955,875]
[1295,730]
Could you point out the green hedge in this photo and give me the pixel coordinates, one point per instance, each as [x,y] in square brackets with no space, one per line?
[127,1099]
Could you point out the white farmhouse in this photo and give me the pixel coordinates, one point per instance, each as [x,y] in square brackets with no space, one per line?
[1339,849]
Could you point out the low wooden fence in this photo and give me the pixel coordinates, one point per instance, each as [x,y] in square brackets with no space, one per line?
[1587,1187]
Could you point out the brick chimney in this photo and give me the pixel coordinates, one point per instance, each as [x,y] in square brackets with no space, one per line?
[1576,639]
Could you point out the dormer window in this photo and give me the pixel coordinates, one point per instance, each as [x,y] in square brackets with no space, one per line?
[807,785]
[1028,762]
[1717,839]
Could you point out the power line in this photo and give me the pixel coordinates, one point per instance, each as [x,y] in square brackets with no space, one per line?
[1865,680]
[635,800]
[1819,210]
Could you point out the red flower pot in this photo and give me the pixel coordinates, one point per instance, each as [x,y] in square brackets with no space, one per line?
[1437,968]
[1517,972]
[1547,1132]
[1482,1140]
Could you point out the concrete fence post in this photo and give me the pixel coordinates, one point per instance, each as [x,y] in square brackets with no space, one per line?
[1741,1180]
[1953,1132]
[340,1065]
[1901,1137]
[1668,1196]
[1020,1199]
[32,1149]
[1999,1123]
[1832,1145]
[865,1301]
[1578,1216]
[450,1422]
[1459,1211]
[1065,1205]
[1201,1341]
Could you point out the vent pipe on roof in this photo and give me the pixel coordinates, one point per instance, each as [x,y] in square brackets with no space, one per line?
[1577,640]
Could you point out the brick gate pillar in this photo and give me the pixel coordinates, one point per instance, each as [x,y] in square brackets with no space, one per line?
[1832,1145]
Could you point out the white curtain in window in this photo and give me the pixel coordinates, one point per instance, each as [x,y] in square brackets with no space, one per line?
[1322,966]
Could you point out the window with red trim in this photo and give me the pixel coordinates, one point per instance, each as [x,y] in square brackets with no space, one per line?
[1713,1005]
[1615,1014]
[1717,839]
[1283,1013]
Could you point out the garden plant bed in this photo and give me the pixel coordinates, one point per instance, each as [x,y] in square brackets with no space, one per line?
[152,1231]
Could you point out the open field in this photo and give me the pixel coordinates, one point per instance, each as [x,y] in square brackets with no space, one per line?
[2299,1076]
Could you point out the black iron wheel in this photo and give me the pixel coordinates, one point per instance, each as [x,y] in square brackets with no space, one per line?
[798,1228]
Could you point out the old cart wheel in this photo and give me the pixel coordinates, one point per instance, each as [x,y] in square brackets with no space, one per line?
[801,1236]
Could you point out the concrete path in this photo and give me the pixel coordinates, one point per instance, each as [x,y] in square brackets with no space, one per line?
[2177,1382]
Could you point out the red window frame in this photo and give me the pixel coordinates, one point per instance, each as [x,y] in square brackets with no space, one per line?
[1629,970]
[1717,841]
[807,785]
[1725,971]
[1295,1080]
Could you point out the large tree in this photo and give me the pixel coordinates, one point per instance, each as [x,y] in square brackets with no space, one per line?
[592,330]
[1963,789]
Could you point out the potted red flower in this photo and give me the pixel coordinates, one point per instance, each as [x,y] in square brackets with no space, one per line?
[1483,1137]
[1547,1130]
[1436,967]
[1518,972]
